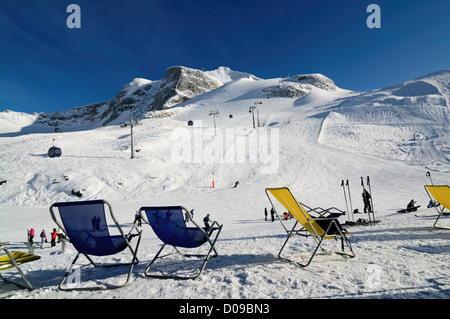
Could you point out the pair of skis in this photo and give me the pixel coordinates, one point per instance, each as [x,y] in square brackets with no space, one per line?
[349,212]
[348,202]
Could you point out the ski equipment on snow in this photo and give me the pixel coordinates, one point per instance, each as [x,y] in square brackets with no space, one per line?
[369,200]
[345,197]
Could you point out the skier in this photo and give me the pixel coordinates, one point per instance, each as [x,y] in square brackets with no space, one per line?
[43,236]
[272,213]
[236,184]
[366,199]
[265,213]
[410,207]
[138,219]
[31,236]
[206,221]
[54,235]
[61,235]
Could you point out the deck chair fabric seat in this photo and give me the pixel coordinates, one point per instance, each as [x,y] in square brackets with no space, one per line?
[85,224]
[169,225]
[441,194]
[320,228]
[14,260]
[19,257]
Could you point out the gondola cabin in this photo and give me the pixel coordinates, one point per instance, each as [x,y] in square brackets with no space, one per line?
[54,152]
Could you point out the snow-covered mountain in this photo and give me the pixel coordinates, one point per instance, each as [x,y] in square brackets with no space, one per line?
[405,123]
[180,84]
[395,122]
[144,96]
[310,135]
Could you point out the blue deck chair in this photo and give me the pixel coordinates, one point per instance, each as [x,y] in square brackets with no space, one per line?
[85,224]
[169,224]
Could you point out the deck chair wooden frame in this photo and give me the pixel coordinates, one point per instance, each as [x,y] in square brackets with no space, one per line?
[441,194]
[211,240]
[309,225]
[134,232]
[13,260]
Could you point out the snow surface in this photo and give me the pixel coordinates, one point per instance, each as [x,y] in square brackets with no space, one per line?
[309,144]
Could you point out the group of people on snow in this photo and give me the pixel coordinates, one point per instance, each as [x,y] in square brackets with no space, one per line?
[272,214]
[43,237]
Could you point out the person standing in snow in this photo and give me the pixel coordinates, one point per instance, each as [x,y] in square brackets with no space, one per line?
[43,236]
[31,236]
[265,213]
[54,235]
[206,221]
[137,219]
[366,200]
[272,213]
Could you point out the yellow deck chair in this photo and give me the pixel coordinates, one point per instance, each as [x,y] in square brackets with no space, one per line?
[13,260]
[319,228]
[441,193]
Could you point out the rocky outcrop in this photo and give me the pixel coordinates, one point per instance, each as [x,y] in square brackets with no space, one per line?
[318,80]
[291,90]
[181,84]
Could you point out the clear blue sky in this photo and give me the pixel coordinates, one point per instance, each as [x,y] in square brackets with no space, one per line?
[45,66]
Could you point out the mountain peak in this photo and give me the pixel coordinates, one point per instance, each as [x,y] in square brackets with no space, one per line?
[180,84]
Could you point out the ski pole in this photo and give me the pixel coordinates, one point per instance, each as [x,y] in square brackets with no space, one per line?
[429,175]
[345,197]
[371,199]
[350,199]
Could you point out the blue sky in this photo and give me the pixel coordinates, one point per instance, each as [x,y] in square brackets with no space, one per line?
[46,66]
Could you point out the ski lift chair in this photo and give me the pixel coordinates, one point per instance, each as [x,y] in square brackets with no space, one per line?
[441,193]
[319,228]
[169,224]
[13,260]
[86,226]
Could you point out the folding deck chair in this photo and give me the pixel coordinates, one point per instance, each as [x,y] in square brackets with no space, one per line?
[13,260]
[85,224]
[319,228]
[441,193]
[169,224]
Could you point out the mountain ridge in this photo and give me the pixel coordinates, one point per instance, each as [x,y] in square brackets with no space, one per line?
[161,98]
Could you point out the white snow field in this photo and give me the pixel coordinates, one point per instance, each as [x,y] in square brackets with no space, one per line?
[308,141]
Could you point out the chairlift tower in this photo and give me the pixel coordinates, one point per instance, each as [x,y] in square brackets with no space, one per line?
[131,127]
[257,112]
[252,110]
[214,113]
